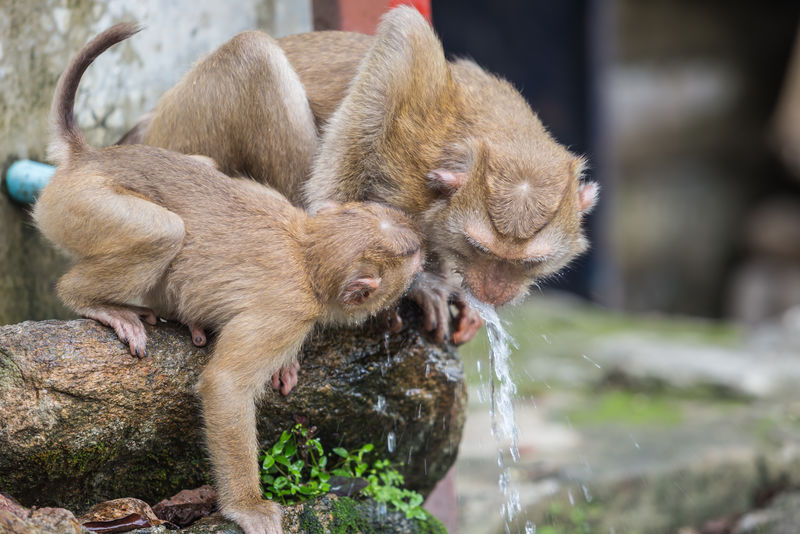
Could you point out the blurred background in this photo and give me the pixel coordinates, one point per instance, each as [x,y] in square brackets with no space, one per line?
[657,376]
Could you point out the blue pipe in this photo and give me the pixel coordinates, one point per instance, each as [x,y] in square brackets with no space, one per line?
[26,178]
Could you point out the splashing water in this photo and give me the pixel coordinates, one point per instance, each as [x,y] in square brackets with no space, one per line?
[530,528]
[390,442]
[502,392]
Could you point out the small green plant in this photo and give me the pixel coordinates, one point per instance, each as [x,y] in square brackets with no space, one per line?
[297,468]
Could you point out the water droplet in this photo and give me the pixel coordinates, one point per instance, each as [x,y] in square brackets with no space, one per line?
[419,411]
[546,339]
[380,404]
[635,443]
[571,497]
[479,366]
[530,528]
[427,369]
[390,442]
[586,494]
[585,357]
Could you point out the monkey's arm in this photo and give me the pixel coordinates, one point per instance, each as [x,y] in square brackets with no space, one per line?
[250,348]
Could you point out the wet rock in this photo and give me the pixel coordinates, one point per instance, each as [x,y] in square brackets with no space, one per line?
[119,513]
[16,519]
[83,421]
[329,514]
[187,506]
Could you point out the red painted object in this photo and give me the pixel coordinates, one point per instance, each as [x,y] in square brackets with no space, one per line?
[360,15]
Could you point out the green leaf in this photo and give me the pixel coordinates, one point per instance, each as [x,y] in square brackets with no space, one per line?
[340,451]
[269,461]
[289,449]
[297,466]
[280,482]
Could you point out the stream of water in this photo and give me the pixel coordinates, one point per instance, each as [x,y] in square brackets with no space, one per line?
[503,390]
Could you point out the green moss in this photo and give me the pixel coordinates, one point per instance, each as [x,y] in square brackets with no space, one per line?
[630,408]
[347,519]
[431,525]
[309,522]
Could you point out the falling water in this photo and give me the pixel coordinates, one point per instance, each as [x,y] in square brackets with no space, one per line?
[503,390]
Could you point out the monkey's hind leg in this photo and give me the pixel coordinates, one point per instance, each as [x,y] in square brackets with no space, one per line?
[124,244]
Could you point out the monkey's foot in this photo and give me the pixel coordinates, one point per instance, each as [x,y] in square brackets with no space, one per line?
[468,321]
[261,518]
[198,335]
[126,322]
[286,379]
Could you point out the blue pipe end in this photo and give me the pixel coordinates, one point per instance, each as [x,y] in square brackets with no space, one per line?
[26,178]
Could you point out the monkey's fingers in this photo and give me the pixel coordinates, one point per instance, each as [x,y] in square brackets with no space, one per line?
[260,518]
[286,379]
[198,335]
[467,320]
[289,377]
[467,325]
[126,324]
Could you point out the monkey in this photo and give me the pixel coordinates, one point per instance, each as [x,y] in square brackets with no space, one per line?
[500,202]
[157,232]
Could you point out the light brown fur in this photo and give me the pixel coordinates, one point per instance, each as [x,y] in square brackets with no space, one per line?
[169,231]
[450,144]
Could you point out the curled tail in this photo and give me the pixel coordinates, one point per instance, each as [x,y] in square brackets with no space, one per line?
[65,138]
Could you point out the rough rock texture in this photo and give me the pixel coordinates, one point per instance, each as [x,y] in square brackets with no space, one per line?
[327,514]
[81,421]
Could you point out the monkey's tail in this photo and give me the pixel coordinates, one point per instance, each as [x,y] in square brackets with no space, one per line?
[65,138]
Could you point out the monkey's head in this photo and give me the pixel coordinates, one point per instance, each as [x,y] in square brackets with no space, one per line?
[503,223]
[363,256]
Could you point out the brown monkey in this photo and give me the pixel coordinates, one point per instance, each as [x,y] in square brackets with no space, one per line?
[169,231]
[499,201]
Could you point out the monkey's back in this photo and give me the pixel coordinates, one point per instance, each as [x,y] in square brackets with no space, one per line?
[240,236]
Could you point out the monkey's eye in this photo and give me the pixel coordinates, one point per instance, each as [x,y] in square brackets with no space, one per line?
[477,246]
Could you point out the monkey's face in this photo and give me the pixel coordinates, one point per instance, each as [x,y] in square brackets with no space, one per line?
[375,253]
[502,229]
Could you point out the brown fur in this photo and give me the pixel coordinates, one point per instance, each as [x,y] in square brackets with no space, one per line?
[447,142]
[151,226]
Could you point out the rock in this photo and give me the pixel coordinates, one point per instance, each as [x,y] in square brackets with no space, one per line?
[128,511]
[330,514]
[187,506]
[15,519]
[82,421]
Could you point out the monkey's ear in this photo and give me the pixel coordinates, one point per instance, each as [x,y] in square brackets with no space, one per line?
[357,291]
[445,181]
[587,196]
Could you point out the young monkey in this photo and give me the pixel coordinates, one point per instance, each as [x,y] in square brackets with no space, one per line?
[167,230]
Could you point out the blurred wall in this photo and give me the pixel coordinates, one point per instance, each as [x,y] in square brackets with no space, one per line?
[37,38]
[691,94]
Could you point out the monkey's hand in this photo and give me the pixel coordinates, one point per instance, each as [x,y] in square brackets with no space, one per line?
[126,322]
[434,294]
[263,517]
[468,321]
[286,379]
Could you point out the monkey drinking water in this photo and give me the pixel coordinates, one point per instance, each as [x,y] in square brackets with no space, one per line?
[499,201]
[170,232]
